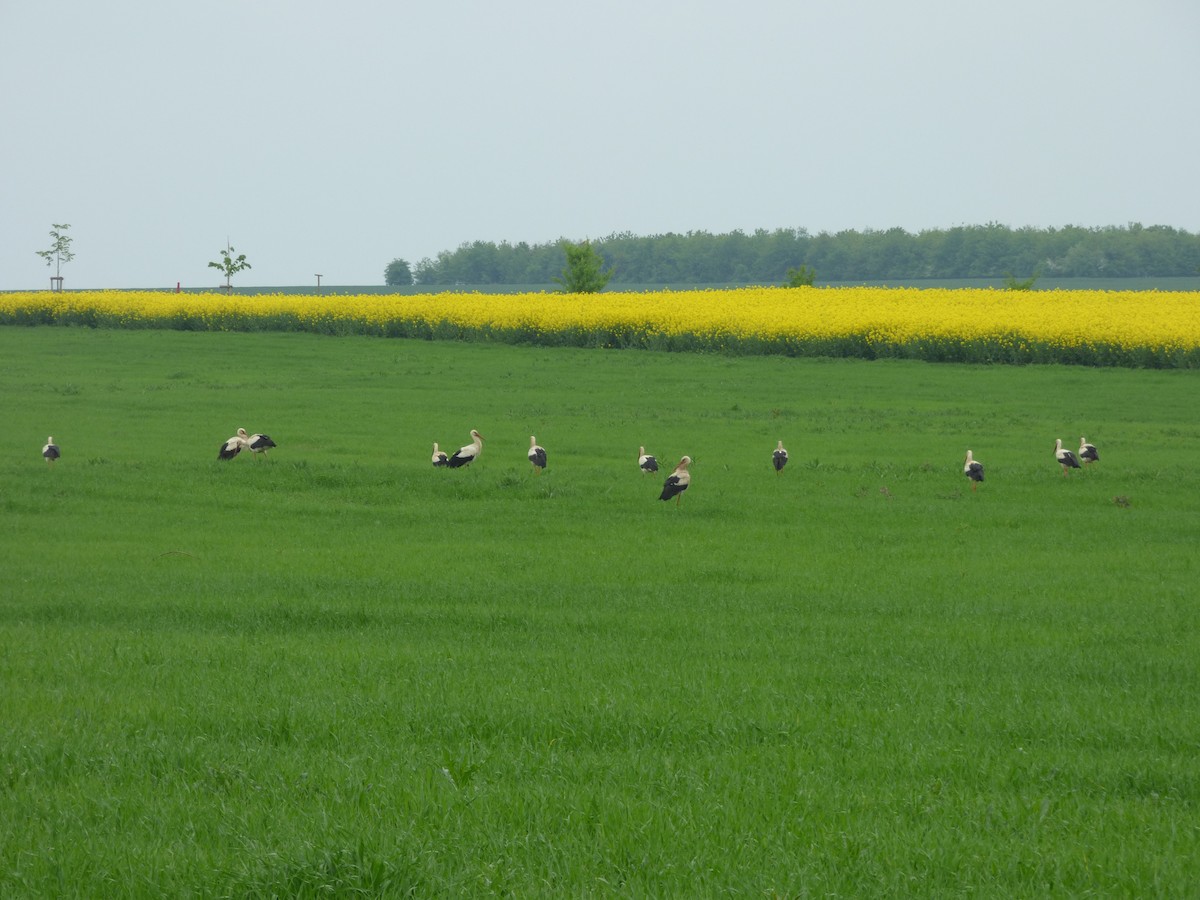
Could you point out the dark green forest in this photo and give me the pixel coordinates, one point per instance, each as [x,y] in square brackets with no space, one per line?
[764,256]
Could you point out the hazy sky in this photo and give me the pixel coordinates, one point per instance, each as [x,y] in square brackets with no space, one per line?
[335,137]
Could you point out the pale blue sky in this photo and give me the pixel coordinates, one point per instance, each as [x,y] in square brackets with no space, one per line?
[323,137]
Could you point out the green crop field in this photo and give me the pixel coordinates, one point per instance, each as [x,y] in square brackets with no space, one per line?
[1131,283]
[339,671]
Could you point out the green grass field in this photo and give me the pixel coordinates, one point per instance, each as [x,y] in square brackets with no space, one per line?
[338,670]
[1132,283]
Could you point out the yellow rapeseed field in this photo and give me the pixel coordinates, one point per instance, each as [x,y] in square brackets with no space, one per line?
[1091,327]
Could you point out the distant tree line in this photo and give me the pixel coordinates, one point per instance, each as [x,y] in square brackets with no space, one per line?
[765,257]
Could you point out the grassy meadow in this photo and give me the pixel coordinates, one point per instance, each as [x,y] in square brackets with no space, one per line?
[340,671]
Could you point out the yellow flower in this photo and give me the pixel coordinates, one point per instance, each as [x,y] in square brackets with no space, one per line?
[1130,327]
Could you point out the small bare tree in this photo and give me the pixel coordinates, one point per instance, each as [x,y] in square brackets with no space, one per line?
[230,265]
[59,253]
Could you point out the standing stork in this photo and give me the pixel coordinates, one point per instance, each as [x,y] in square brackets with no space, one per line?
[973,469]
[50,452]
[1088,452]
[464,456]
[646,462]
[1064,457]
[537,455]
[234,445]
[779,457]
[259,443]
[440,459]
[677,482]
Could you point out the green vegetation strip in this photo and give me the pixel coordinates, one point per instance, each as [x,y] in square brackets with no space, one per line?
[340,671]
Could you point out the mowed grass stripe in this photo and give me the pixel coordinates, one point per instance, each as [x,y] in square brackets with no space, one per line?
[340,669]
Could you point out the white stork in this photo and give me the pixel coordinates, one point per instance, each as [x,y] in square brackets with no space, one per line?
[1088,452]
[537,455]
[1064,457]
[50,452]
[779,457]
[234,445]
[677,482]
[440,459]
[259,443]
[973,469]
[646,462]
[464,456]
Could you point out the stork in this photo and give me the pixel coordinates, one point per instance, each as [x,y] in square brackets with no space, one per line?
[234,445]
[259,443]
[537,455]
[1088,452]
[440,459]
[1064,457]
[50,452]
[464,456]
[646,462]
[677,482]
[973,469]
[779,457]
